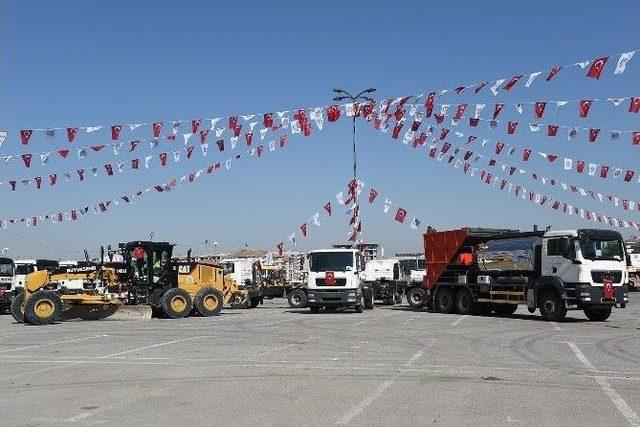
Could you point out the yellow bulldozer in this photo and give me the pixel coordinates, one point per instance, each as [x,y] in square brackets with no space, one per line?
[153,281]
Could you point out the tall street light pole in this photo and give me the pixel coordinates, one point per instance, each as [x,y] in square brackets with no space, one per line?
[343,95]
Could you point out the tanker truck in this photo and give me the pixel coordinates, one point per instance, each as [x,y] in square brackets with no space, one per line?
[480,271]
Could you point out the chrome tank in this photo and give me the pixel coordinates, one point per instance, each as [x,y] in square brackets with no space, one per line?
[508,254]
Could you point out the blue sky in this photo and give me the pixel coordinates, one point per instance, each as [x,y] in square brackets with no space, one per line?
[84,63]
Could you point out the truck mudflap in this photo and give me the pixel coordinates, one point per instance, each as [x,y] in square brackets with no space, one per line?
[586,295]
[338,298]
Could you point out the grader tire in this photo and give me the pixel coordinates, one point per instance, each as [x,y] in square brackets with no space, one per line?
[43,308]
[209,302]
[176,303]
[17,308]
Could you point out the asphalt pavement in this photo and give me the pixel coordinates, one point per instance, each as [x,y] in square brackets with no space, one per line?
[274,365]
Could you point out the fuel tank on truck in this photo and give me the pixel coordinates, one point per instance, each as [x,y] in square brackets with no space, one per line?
[508,254]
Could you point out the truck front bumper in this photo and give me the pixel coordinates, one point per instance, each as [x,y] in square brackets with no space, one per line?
[333,298]
[588,295]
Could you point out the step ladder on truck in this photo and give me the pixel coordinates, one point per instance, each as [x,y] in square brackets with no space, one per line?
[483,271]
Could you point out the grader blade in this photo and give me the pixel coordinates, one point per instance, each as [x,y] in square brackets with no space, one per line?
[107,312]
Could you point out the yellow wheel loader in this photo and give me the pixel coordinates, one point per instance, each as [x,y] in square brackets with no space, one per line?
[153,282]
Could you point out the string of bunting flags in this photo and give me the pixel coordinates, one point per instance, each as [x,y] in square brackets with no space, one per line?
[349,200]
[521,192]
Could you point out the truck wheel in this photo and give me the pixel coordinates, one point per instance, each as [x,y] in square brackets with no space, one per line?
[43,308]
[254,302]
[416,297]
[209,302]
[444,301]
[505,309]
[464,302]
[17,307]
[4,307]
[297,298]
[176,303]
[367,294]
[315,309]
[597,314]
[552,307]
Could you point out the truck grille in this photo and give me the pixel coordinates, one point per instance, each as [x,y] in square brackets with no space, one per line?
[339,282]
[598,276]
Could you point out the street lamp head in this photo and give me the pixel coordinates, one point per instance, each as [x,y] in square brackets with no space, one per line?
[338,90]
[370,90]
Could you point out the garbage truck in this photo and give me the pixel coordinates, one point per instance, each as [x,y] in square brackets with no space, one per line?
[479,271]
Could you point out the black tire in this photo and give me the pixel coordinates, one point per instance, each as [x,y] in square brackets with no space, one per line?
[176,303]
[367,295]
[297,298]
[552,307]
[43,308]
[464,302]
[17,308]
[4,307]
[358,308]
[315,309]
[416,297]
[597,314]
[444,301]
[483,308]
[254,302]
[505,309]
[209,302]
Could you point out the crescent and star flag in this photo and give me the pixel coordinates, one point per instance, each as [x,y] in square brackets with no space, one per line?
[596,68]
[401,214]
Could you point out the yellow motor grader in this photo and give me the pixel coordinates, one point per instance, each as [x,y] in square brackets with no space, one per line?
[154,281]
[270,279]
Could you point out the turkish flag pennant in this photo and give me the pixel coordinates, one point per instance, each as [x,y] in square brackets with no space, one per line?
[71,134]
[473,121]
[396,130]
[248,138]
[459,90]
[415,125]
[628,177]
[163,159]
[512,169]
[157,129]
[511,127]
[604,171]
[517,192]
[109,169]
[593,134]
[432,152]
[63,153]
[233,121]
[220,144]
[333,113]
[420,140]
[496,110]
[134,163]
[25,135]
[634,105]
[429,103]
[327,208]
[585,104]
[635,139]
[482,175]
[552,130]
[26,158]
[259,150]
[53,178]
[445,147]
[511,83]
[492,162]
[401,214]
[203,136]
[80,173]
[465,168]
[439,118]
[467,155]
[553,73]
[115,132]
[195,124]
[480,86]
[97,148]
[399,114]
[372,195]
[283,140]
[134,144]
[502,184]
[580,166]
[237,130]
[499,147]
[539,109]
[443,133]
[460,111]
[280,248]
[596,67]
[190,151]
[38,180]
[13,185]
[267,120]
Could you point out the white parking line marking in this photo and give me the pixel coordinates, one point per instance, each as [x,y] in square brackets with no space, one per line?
[282,347]
[460,319]
[555,326]
[360,407]
[150,346]
[371,320]
[53,343]
[622,406]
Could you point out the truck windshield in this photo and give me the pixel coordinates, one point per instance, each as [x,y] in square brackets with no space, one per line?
[601,250]
[6,269]
[330,261]
[25,268]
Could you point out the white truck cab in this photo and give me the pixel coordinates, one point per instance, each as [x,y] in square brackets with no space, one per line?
[633,253]
[7,270]
[334,280]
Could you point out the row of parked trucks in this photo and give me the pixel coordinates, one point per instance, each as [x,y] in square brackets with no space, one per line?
[468,271]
